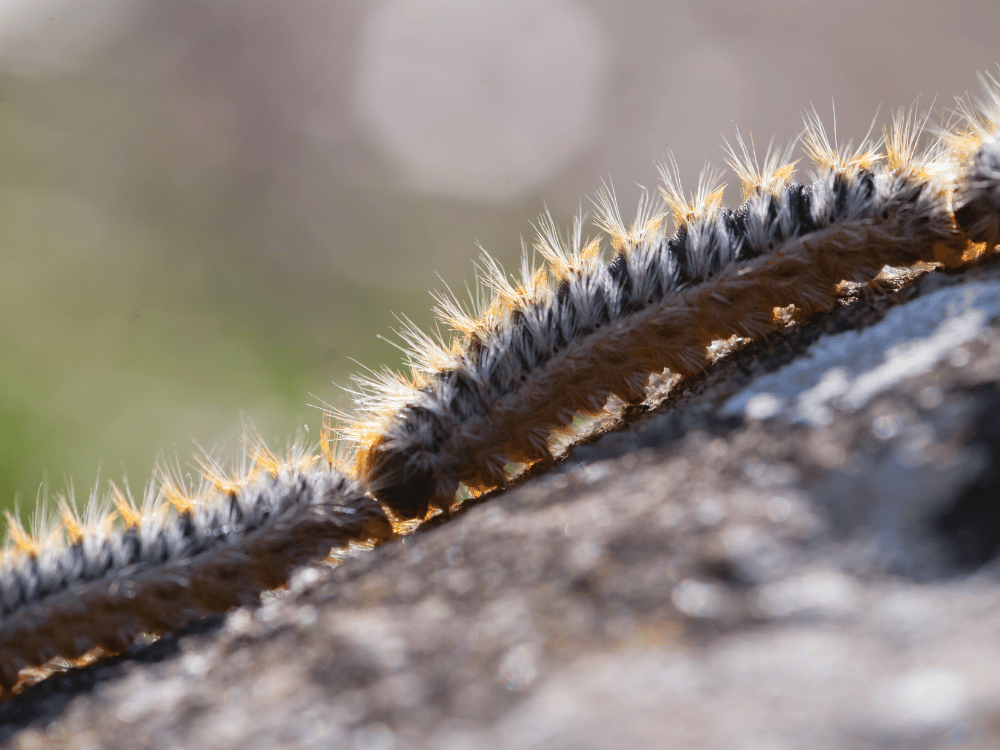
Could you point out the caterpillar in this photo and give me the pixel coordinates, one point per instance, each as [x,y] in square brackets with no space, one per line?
[523,361]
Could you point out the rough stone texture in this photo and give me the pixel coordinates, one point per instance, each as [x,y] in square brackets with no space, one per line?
[822,579]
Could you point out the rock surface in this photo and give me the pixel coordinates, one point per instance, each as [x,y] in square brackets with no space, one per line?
[799,552]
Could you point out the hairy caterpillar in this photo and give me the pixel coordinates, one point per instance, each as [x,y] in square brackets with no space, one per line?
[535,354]
[539,355]
[236,538]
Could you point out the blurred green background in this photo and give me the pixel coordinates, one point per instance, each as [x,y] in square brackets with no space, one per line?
[209,208]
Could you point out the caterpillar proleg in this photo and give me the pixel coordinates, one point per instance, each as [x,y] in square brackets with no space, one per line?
[526,359]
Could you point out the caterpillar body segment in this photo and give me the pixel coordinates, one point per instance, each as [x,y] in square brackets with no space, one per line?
[534,361]
[161,570]
[977,149]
